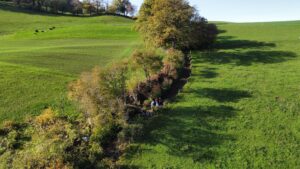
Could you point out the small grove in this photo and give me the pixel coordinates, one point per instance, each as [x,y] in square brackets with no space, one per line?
[113,101]
[77,7]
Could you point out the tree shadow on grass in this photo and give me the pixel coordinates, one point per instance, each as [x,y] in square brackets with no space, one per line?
[221,95]
[228,51]
[245,58]
[189,131]
[208,73]
[197,131]
[228,42]
[194,131]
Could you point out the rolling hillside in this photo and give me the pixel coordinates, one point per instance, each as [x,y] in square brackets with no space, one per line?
[41,54]
[240,108]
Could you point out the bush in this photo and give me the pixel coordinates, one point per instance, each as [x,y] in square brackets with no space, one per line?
[148,60]
[173,63]
[175,58]
[46,118]
[202,34]
[167,83]
[156,91]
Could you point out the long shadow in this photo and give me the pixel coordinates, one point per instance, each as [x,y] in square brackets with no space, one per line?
[192,131]
[208,73]
[227,50]
[245,58]
[221,95]
[197,131]
[188,131]
[228,42]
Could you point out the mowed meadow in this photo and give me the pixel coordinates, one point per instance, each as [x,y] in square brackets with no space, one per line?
[239,109]
[41,54]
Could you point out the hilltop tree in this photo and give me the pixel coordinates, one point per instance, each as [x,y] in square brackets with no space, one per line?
[54,5]
[122,7]
[17,2]
[62,5]
[165,23]
[87,7]
[130,9]
[76,7]
[98,5]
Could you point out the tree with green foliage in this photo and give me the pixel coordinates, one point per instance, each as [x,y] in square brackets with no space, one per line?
[98,4]
[165,23]
[202,34]
[148,60]
[87,7]
[174,24]
[54,5]
[122,7]
[62,6]
[75,7]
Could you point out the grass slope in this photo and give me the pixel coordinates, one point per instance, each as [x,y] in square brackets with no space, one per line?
[35,68]
[240,108]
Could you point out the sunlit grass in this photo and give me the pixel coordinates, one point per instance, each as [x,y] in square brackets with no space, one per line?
[36,63]
[240,108]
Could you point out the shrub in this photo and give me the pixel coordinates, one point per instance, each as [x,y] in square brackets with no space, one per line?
[202,34]
[46,118]
[148,60]
[173,63]
[156,91]
[167,83]
[175,58]
[97,93]
[135,77]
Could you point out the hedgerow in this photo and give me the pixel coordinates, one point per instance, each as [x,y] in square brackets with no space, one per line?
[112,101]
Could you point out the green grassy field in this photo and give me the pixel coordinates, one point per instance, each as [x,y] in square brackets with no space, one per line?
[240,109]
[35,68]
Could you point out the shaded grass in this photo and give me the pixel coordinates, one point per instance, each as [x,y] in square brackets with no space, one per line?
[240,108]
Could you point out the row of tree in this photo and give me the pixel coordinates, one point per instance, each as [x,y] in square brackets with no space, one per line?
[77,7]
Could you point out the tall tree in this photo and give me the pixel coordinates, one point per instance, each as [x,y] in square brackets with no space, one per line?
[165,23]
[62,5]
[87,7]
[130,8]
[122,7]
[98,5]
[76,7]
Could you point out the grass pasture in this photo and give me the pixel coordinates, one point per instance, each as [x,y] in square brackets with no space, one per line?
[37,63]
[240,108]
